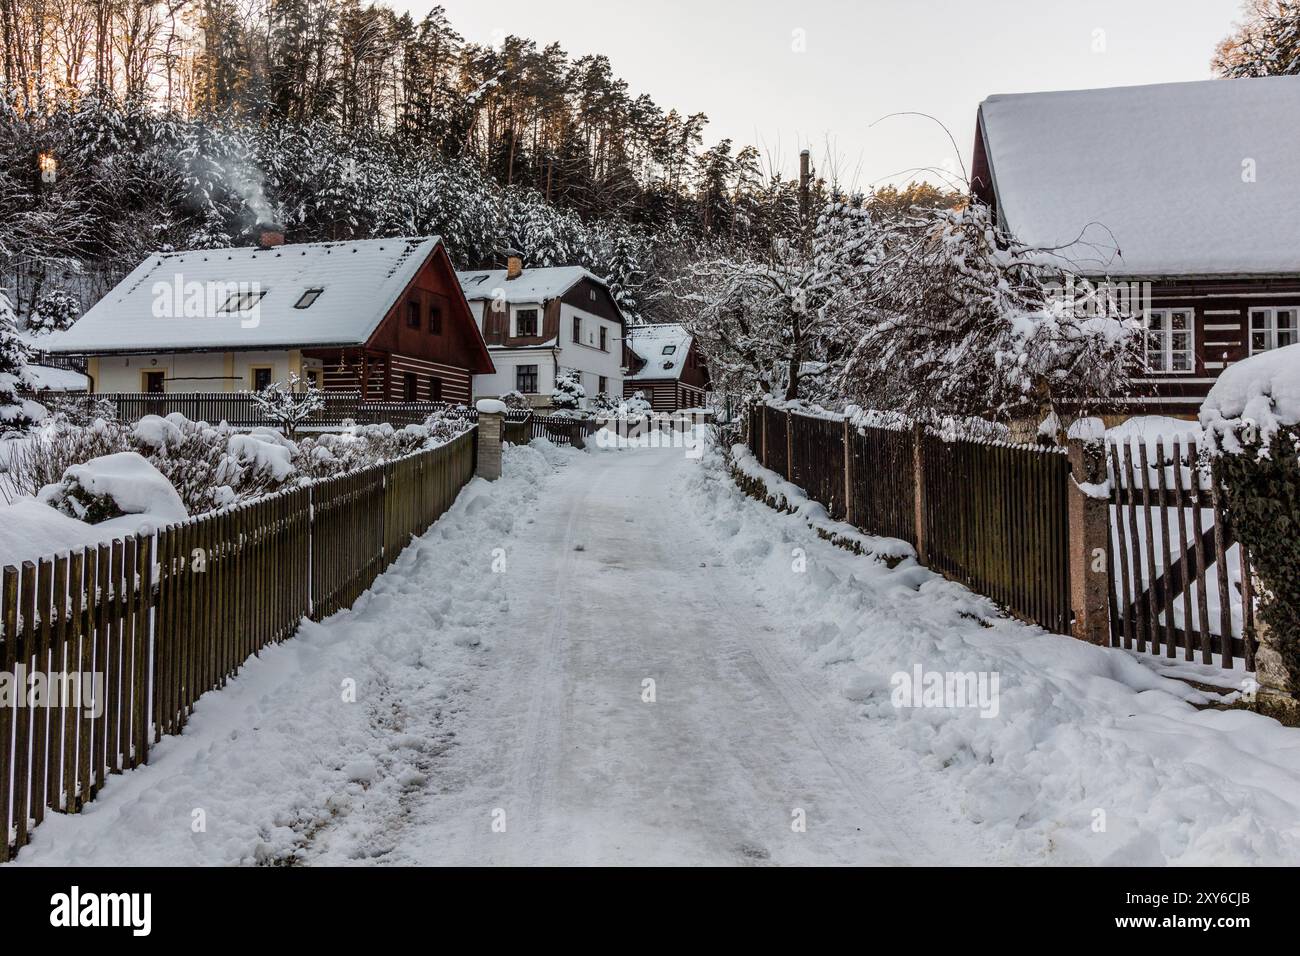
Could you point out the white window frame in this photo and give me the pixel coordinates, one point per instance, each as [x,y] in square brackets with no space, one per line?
[537,319]
[1271,330]
[1159,325]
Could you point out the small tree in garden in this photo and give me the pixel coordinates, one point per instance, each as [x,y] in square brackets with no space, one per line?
[289,407]
[17,415]
[515,400]
[54,311]
[568,392]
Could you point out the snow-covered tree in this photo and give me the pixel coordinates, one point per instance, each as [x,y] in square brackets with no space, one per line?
[1265,43]
[54,311]
[568,392]
[763,320]
[17,414]
[289,407]
[963,322]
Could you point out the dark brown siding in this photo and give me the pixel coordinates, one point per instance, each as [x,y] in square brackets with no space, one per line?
[603,305]
[458,345]
[665,395]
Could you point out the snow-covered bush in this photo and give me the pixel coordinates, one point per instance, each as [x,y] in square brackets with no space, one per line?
[517,400]
[114,486]
[54,311]
[82,410]
[635,407]
[1252,419]
[568,392]
[289,406]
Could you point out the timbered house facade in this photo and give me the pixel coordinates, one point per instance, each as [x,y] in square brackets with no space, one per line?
[1188,194]
[667,367]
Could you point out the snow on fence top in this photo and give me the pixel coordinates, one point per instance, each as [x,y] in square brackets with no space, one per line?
[1172,179]
[532,285]
[650,342]
[1259,394]
[358,282]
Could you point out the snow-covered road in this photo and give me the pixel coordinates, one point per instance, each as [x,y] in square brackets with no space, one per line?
[502,713]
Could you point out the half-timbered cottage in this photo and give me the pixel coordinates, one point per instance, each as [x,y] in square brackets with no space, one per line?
[1187,193]
[385,317]
[666,365]
[539,322]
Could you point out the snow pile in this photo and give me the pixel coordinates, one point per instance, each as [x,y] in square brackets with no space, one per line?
[785,496]
[115,491]
[30,529]
[264,451]
[1253,400]
[1080,735]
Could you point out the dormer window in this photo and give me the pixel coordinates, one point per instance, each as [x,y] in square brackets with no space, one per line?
[308,298]
[526,322]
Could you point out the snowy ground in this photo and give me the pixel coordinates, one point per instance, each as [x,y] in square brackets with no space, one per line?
[513,701]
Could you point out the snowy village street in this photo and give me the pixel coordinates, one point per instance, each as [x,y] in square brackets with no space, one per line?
[499,717]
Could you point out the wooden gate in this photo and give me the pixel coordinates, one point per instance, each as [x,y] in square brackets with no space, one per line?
[1179,579]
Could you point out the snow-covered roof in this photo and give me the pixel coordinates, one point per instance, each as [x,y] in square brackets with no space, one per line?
[531,285]
[48,378]
[359,282]
[1172,179]
[664,348]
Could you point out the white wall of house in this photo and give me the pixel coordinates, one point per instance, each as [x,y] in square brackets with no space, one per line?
[586,356]
[506,362]
[194,371]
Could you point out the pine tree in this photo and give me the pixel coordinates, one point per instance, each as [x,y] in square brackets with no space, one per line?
[1267,43]
[17,414]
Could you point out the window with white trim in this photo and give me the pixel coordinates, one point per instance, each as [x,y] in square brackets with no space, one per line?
[526,322]
[1273,327]
[1171,341]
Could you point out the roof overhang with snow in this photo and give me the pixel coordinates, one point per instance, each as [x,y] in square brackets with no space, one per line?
[1172,180]
[650,342]
[531,286]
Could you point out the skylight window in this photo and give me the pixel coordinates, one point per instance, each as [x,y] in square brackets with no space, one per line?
[242,301]
[669,350]
[308,298]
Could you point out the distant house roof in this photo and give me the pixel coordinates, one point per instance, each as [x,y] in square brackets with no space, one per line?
[358,282]
[1176,179]
[47,378]
[532,285]
[663,348]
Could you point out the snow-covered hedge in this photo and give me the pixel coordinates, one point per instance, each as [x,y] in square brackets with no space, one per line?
[1252,420]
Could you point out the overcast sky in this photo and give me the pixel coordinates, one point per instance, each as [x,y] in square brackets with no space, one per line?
[820,73]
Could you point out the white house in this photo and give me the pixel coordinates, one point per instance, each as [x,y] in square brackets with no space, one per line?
[539,322]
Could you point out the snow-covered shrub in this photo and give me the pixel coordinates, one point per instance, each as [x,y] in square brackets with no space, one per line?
[635,407]
[516,400]
[54,311]
[289,406]
[82,410]
[568,392]
[113,486]
[1252,419]
[603,403]
[59,445]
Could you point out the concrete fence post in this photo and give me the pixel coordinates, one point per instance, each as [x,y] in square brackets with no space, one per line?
[1089,529]
[491,429]
[918,495]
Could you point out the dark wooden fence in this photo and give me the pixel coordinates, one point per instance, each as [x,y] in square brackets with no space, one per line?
[996,519]
[1180,579]
[162,620]
[993,517]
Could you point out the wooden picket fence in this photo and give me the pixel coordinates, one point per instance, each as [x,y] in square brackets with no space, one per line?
[990,515]
[162,619]
[995,516]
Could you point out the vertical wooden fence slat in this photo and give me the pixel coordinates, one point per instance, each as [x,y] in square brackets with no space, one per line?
[8,660]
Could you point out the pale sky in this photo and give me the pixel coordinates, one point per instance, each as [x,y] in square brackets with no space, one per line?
[739,62]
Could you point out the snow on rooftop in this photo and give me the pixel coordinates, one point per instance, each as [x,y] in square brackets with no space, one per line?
[663,346]
[531,285]
[1172,179]
[358,281]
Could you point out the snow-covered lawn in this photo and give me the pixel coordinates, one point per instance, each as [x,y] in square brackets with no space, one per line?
[502,717]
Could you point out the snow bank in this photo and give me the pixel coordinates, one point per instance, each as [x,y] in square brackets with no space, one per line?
[30,529]
[1253,399]
[789,497]
[1081,734]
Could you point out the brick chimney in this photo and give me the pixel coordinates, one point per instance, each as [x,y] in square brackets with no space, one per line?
[514,267]
[269,235]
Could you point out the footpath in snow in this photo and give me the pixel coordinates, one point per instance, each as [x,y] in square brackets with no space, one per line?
[616,657]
